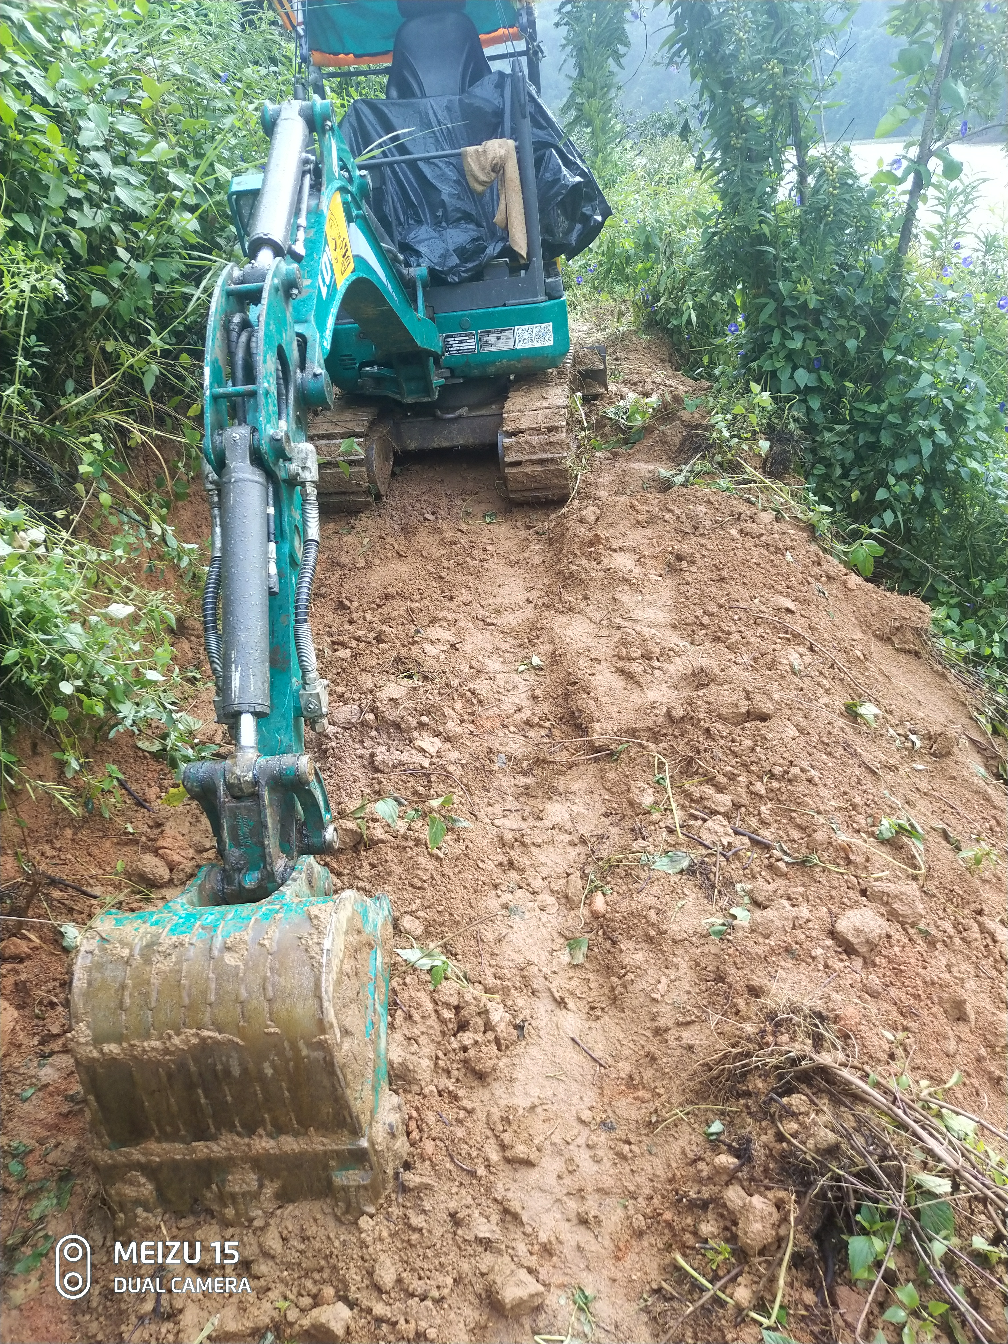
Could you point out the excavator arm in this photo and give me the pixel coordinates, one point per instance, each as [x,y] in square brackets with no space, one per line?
[231,1045]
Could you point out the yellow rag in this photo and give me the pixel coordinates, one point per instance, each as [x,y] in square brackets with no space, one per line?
[497,161]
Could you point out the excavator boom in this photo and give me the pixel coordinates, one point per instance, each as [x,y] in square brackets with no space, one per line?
[232,1044]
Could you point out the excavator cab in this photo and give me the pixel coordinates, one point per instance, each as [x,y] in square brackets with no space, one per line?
[459,75]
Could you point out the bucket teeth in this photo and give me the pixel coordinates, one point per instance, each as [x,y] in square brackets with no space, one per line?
[236,1054]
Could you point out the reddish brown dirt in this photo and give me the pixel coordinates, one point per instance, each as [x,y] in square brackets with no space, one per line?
[551,1145]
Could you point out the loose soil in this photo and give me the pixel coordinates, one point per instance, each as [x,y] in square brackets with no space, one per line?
[565,675]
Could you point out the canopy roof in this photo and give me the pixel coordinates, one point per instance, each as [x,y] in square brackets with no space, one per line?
[362,32]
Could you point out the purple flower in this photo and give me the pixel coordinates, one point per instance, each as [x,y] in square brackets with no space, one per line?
[968,296]
[1001,407]
[592,267]
[1003,303]
[897,164]
[741,317]
[733,328]
[963,127]
[817,362]
[967,261]
[579,280]
[946,271]
[741,354]
[956,247]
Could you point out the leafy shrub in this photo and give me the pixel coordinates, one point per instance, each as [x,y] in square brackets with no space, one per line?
[594,45]
[777,268]
[121,125]
[649,252]
[83,643]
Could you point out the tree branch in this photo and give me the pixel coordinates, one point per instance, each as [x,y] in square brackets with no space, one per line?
[926,147]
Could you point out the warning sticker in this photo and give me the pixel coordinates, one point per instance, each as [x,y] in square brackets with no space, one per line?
[339,240]
[459,342]
[497,338]
[538,334]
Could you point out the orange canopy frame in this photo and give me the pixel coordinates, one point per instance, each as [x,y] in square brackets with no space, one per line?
[347,59]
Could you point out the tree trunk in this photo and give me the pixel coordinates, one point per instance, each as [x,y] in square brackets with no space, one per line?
[927,128]
[800,160]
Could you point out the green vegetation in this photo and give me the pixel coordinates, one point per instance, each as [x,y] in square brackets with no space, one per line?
[84,641]
[122,123]
[594,44]
[865,52]
[780,275]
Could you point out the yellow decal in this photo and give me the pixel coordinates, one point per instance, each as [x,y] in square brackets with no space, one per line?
[339,240]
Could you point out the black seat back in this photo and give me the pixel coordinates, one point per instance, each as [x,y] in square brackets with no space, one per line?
[437,51]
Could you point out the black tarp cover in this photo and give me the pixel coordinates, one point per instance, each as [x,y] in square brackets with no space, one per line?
[429,210]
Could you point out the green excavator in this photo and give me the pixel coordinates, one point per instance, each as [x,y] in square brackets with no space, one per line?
[231,1045]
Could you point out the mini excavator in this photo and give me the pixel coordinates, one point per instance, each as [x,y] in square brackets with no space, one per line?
[231,1045]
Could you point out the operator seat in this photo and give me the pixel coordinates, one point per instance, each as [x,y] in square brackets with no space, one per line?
[437,51]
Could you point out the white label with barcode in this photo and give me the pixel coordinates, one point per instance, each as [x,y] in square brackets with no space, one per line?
[538,334]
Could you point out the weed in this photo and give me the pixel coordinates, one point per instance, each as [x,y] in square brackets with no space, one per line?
[74,658]
[719,926]
[863,711]
[718,1254]
[979,854]
[675,861]
[431,960]
[889,828]
[435,811]
[577,950]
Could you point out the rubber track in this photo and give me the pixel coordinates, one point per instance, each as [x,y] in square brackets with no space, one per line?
[347,420]
[536,443]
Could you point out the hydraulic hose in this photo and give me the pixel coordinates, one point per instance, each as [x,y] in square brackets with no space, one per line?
[303,642]
[243,369]
[237,323]
[211,592]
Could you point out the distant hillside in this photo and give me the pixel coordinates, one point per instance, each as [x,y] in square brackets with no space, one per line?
[865,89]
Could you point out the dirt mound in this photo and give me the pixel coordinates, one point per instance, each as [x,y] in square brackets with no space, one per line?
[640,675]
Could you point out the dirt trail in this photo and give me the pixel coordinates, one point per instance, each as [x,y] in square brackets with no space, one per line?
[551,671]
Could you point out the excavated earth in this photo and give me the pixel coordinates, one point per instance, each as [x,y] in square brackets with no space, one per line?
[564,675]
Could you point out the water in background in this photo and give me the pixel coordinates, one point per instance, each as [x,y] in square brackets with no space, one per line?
[979,161]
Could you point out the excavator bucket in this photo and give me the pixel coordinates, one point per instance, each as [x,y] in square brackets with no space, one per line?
[233,1057]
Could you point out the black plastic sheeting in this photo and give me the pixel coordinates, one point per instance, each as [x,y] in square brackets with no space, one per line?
[428,209]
